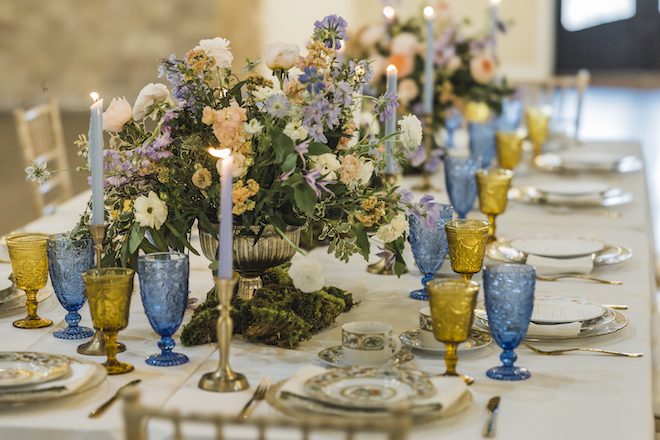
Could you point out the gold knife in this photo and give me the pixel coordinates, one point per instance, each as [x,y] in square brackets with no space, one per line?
[101,409]
[489,429]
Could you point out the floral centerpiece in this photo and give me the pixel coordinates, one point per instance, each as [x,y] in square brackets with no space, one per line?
[465,71]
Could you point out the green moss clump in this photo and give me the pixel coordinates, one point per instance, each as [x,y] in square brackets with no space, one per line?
[279,314]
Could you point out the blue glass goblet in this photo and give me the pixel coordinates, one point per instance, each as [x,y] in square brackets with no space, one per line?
[429,247]
[68,259]
[164,292]
[461,183]
[511,115]
[509,294]
[453,119]
[482,141]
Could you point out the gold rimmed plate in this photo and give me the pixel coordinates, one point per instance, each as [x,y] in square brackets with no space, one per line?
[533,196]
[19,369]
[333,356]
[475,341]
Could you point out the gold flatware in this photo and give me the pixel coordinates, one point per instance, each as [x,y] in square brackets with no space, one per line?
[258,396]
[595,350]
[583,277]
[616,306]
[101,409]
[562,210]
[489,428]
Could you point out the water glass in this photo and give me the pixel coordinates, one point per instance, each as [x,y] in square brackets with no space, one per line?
[482,141]
[467,244]
[453,120]
[493,186]
[461,183]
[68,259]
[537,121]
[509,119]
[429,247]
[509,148]
[164,291]
[509,294]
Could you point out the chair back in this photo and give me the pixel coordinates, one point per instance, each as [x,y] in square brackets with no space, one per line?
[41,136]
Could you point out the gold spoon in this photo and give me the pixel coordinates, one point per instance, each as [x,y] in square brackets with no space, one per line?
[583,277]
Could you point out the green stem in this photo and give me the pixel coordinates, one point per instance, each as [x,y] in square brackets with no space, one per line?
[279,231]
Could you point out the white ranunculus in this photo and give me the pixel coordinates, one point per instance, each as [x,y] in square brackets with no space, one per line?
[296,131]
[150,211]
[280,55]
[239,167]
[411,132]
[328,163]
[482,68]
[407,91]
[366,171]
[306,273]
[390,232]
[150,95]
[218,48]
[261,94]
[118,113]
[253,127]
[405,44]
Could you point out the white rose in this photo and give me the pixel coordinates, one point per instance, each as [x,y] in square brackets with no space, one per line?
[405,44]
[371,35]
[253,127]
[366,171]
[261,94]
[150,211]
[390,232]
[239,167]
[218,48]
[306,273]
[328,163]
[150,95]
[296,131]
[411,132]
[482,68]
[454,63]
[407,91]
[280,55]
[119,112]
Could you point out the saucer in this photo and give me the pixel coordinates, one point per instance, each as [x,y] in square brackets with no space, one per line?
[475,341]
[333,356]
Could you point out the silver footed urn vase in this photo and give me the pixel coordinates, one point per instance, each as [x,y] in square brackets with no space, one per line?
[252,258]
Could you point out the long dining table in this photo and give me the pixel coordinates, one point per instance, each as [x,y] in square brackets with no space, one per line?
[576,395]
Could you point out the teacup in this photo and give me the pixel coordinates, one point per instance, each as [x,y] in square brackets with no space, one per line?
[367,343]
[426,337]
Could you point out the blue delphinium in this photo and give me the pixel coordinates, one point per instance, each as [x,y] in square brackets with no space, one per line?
[331,30]
[386,105]
[313,79]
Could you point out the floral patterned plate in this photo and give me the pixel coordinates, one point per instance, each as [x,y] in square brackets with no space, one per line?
[475,341]
[333,356]
[369,387]
[20,369]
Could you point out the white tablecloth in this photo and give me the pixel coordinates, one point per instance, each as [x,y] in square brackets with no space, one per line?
[570,396]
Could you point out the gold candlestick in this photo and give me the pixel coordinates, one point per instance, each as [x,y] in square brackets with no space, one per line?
[224,379]
[426,184]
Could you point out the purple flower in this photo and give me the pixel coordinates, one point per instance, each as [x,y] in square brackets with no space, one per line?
[301,149]
[313,79]
[278,106]
[313,179]
[331,30]
[435,161]
[425,211]
[332,117]
[316,132]
[342,93]
[388,255]
[386,105]
[418,157]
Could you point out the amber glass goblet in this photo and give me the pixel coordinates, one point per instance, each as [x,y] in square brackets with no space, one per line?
[509,148]
[452,312]
[29,261]
[467,242]
[537,126]
[109,296]
[492,187]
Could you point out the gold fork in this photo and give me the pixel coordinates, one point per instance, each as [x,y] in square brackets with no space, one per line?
[258,396]
[583,277]
[595,350]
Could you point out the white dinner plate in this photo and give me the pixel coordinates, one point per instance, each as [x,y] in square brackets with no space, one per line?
[558,246]
[475,341]
[24,368]
[573,188]
[549,309]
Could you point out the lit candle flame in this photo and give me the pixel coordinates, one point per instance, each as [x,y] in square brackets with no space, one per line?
[95,96]
[391,68]
[495,2]
[429,12]
[388,12]
[219,152]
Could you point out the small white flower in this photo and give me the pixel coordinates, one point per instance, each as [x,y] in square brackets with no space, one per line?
[296,131]
[307,273]
[118,113]
[218,48]
[253,127]
[405,44]
[261,94]
[150,211]
[150,95]
[239,167]
[390,232]
[366,171]
[37,171]
[280,55]
[328,163]
[411,132]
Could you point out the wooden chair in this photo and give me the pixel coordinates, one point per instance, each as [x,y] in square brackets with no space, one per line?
[136,416]
[41,137]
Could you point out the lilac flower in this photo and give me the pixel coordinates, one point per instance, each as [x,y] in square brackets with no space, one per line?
[331,30]
[313,79]
[313,118]
[301,149]
[434,162]
[278,105]
[316,132]
[318,184]
[418,157]
[332,118]
[342,93]
[386,105]
[362,72]
[388,255]
[425,211]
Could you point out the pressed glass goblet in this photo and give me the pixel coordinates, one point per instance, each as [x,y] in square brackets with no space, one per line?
[467,242]
[453,119]
[509,148]
[511,115]
[29,261]
[537,126]
[482,141]
[67,260]
[492,186]
[429,247]
[109,295]
[461,183]
[452,312]
[164,292]
[509,294]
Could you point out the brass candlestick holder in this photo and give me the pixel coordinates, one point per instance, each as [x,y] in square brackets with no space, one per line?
[224,379]
[96,346]
[426,184]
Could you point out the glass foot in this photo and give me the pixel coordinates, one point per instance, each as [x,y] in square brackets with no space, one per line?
[76,332]
[32,323]
[508,373]
[168,359]
[118,367]
[420,294]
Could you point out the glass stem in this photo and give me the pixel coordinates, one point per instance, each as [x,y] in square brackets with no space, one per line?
[111,348]
[31,305]
[537,149]
[451,358]
[491,229]
[466,276]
